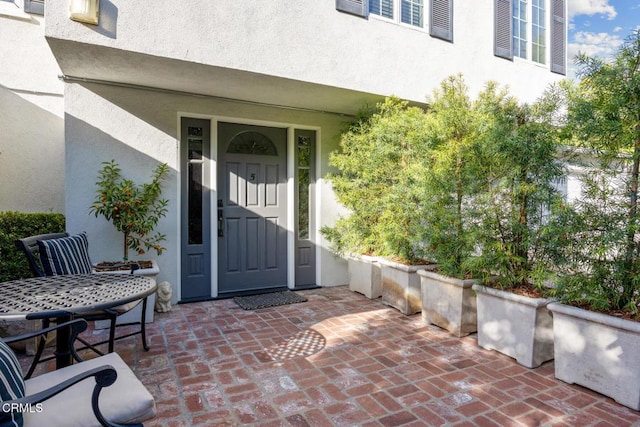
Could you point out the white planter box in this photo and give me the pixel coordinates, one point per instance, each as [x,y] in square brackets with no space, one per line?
[365,276]
[448,302]
[401,286]
[515,325]
[135,314]
[599,352]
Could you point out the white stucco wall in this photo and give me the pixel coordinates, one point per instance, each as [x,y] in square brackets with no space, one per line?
[31,123]
[307,41]
[301,54]
[139,129]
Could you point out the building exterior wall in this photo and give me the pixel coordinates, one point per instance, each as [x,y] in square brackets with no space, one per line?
[31,123]
[139,129]
[309,41]
[130,79]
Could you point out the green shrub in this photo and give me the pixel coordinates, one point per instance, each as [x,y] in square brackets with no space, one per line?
[519,161]
[377,164]
[17,225]
[600,233]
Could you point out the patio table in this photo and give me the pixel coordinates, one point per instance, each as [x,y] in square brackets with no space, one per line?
[61,297]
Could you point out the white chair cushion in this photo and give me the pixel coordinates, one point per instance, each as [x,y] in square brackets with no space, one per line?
[126,401]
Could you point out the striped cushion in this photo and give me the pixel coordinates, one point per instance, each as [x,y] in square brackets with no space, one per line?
[68,255]
[11,385]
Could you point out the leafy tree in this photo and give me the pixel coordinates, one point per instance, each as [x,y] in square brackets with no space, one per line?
[518,163]
[134,210]
[449,175]
[376,165]
[600,236]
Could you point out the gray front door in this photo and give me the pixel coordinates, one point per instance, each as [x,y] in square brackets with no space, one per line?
[252,208]
[196,212]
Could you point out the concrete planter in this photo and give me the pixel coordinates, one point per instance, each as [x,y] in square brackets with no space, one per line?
[448,302]
[515,325]
[365,275]
[401,286]
[599,352]
[134,315]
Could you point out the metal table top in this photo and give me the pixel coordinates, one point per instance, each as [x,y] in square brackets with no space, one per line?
[53,296]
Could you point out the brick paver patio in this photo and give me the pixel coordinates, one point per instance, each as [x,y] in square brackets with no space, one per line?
[341,359]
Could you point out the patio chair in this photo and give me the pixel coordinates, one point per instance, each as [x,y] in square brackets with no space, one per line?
[113,397]
[74,259]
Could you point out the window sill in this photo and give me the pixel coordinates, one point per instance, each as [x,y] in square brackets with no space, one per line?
[10,10]
[398,23]
[529,61]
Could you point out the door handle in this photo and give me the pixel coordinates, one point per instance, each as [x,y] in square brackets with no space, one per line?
[220,219]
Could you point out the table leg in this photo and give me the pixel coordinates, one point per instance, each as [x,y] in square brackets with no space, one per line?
[63,335]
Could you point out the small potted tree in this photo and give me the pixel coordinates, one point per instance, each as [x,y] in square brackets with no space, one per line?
[596,322]
[133,209]
[520,157]
[352,236]
[376,165]
[449,183]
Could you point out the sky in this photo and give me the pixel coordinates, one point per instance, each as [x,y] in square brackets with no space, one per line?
[598,27]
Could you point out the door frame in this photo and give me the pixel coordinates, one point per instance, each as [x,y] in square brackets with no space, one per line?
[291,192]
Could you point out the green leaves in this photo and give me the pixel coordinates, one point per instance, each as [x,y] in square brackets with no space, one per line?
[519,163]
[463,184]
[378,164]
[133,209]
[17,225]
[600,251]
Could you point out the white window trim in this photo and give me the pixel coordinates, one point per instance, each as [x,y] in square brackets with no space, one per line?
[397,16]
[10,9]
[547,30]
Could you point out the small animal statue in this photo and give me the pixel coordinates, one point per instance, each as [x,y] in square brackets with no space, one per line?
[163,297]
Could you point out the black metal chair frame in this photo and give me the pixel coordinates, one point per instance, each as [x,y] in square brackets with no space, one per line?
[29,245]
[105,375]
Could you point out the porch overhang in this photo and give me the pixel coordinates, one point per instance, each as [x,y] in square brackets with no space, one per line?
[93,63]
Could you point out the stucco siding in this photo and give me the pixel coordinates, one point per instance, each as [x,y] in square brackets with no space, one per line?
[139,129]
[31,123]
[307,41]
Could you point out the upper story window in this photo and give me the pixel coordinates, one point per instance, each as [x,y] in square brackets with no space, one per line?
[538,32]
[381,7]
[410,12]
[529,35]
[517,35]
[520,28]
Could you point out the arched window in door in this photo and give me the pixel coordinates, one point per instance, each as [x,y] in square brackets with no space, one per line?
[251,142]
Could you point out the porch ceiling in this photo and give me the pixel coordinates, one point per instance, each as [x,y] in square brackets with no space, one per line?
[99,63]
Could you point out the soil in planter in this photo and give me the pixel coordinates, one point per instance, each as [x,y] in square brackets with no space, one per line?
[121,266]
[405,262]
[622,314]
[522,290]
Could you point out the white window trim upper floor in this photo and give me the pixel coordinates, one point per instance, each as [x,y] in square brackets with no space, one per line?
[437,15]
[555,28]
[19,9]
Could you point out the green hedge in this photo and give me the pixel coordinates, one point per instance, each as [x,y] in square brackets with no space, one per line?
[17,225]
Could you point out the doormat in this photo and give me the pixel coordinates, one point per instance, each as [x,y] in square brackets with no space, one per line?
[273,299]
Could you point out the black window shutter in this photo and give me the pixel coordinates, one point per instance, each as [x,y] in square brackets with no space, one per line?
[558,40]
[354,7]
[441,23]
[503,29]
